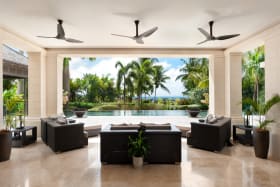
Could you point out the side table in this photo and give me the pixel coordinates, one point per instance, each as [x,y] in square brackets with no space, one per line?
[245,138]
[19,137]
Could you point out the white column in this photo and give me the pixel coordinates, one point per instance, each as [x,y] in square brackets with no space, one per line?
[233,87]
[54,90]
[1,83]
[59,104]
[217,84]
[272,86]
[36,85]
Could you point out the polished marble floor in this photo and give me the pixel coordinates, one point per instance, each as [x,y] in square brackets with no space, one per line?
[36,165]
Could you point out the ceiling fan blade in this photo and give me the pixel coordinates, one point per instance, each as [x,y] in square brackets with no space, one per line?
[123,36]
[139,40]
[73,40]
[148,32]
[46,36]
[205,33]
[203,41]
[225,37]
[60,30]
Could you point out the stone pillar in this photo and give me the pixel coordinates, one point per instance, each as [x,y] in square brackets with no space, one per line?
[1,84]
[54,84]
[217,84]
[59,104]
[233,87]
[272,86]
[36,85]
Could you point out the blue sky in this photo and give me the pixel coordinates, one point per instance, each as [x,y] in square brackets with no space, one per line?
[106,66]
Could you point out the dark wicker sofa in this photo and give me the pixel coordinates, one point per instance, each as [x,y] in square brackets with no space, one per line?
[208,136]
[63,137]
[164,144]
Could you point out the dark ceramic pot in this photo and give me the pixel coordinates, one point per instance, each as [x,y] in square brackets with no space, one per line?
[5,145]
[193,113]
[261,142]
[80,112]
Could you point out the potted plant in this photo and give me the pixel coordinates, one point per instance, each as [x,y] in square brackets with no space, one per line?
[193,110]
[137,148]
[80,112]
[11,103]
[261,133]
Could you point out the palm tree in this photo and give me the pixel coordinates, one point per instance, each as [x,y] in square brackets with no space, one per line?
[261,109]
[141,72]
[253,73]
[122,78]
[66,75]
[195,78]
[194,73]
[159,79]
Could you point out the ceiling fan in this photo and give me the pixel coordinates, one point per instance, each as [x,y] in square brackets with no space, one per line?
[139,37]
[61,34]
[211,37]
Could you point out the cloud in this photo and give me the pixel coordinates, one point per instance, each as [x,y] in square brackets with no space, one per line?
[175,87]
[165,65]
[103,67]
[106,66]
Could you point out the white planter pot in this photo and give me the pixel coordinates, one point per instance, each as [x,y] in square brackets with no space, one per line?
[137,162]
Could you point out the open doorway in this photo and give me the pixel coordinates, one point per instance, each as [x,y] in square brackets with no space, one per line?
[253,82]
[15,86]
[135,86]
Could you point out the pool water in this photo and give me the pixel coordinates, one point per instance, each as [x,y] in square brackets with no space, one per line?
[140,113]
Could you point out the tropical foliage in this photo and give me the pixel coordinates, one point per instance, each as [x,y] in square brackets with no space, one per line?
[137,146]
[261,109]
[195,79]
[159,79]
[142,72]
[123,79]
[141,78]
[14,106]
[135,79]
[92,88]
[253,76]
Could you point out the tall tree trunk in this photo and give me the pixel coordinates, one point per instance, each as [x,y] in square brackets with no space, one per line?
[124,93]
[155,95]
[66,78]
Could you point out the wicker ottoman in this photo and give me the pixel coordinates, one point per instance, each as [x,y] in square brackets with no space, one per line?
[184,130]
[93,130]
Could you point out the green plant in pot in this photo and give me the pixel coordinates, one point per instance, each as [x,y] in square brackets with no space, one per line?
[261,133]
[137,148]
[13,106]
[193,109]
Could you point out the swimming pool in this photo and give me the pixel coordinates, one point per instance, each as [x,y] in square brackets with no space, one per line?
[140,113]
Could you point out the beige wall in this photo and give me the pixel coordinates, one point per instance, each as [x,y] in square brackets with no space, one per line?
[272,86]
[1,82]
[217,84]
[20,43]
[233,87]
[36,85]
[270,38]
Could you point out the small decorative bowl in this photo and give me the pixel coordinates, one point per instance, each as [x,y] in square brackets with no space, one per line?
[201,120]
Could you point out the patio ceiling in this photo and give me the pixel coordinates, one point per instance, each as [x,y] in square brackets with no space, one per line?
[93,21]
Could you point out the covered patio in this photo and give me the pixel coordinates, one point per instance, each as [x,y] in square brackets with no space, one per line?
[180,26]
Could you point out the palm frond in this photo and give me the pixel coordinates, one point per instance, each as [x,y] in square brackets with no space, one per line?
[271,102]
[264,124]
